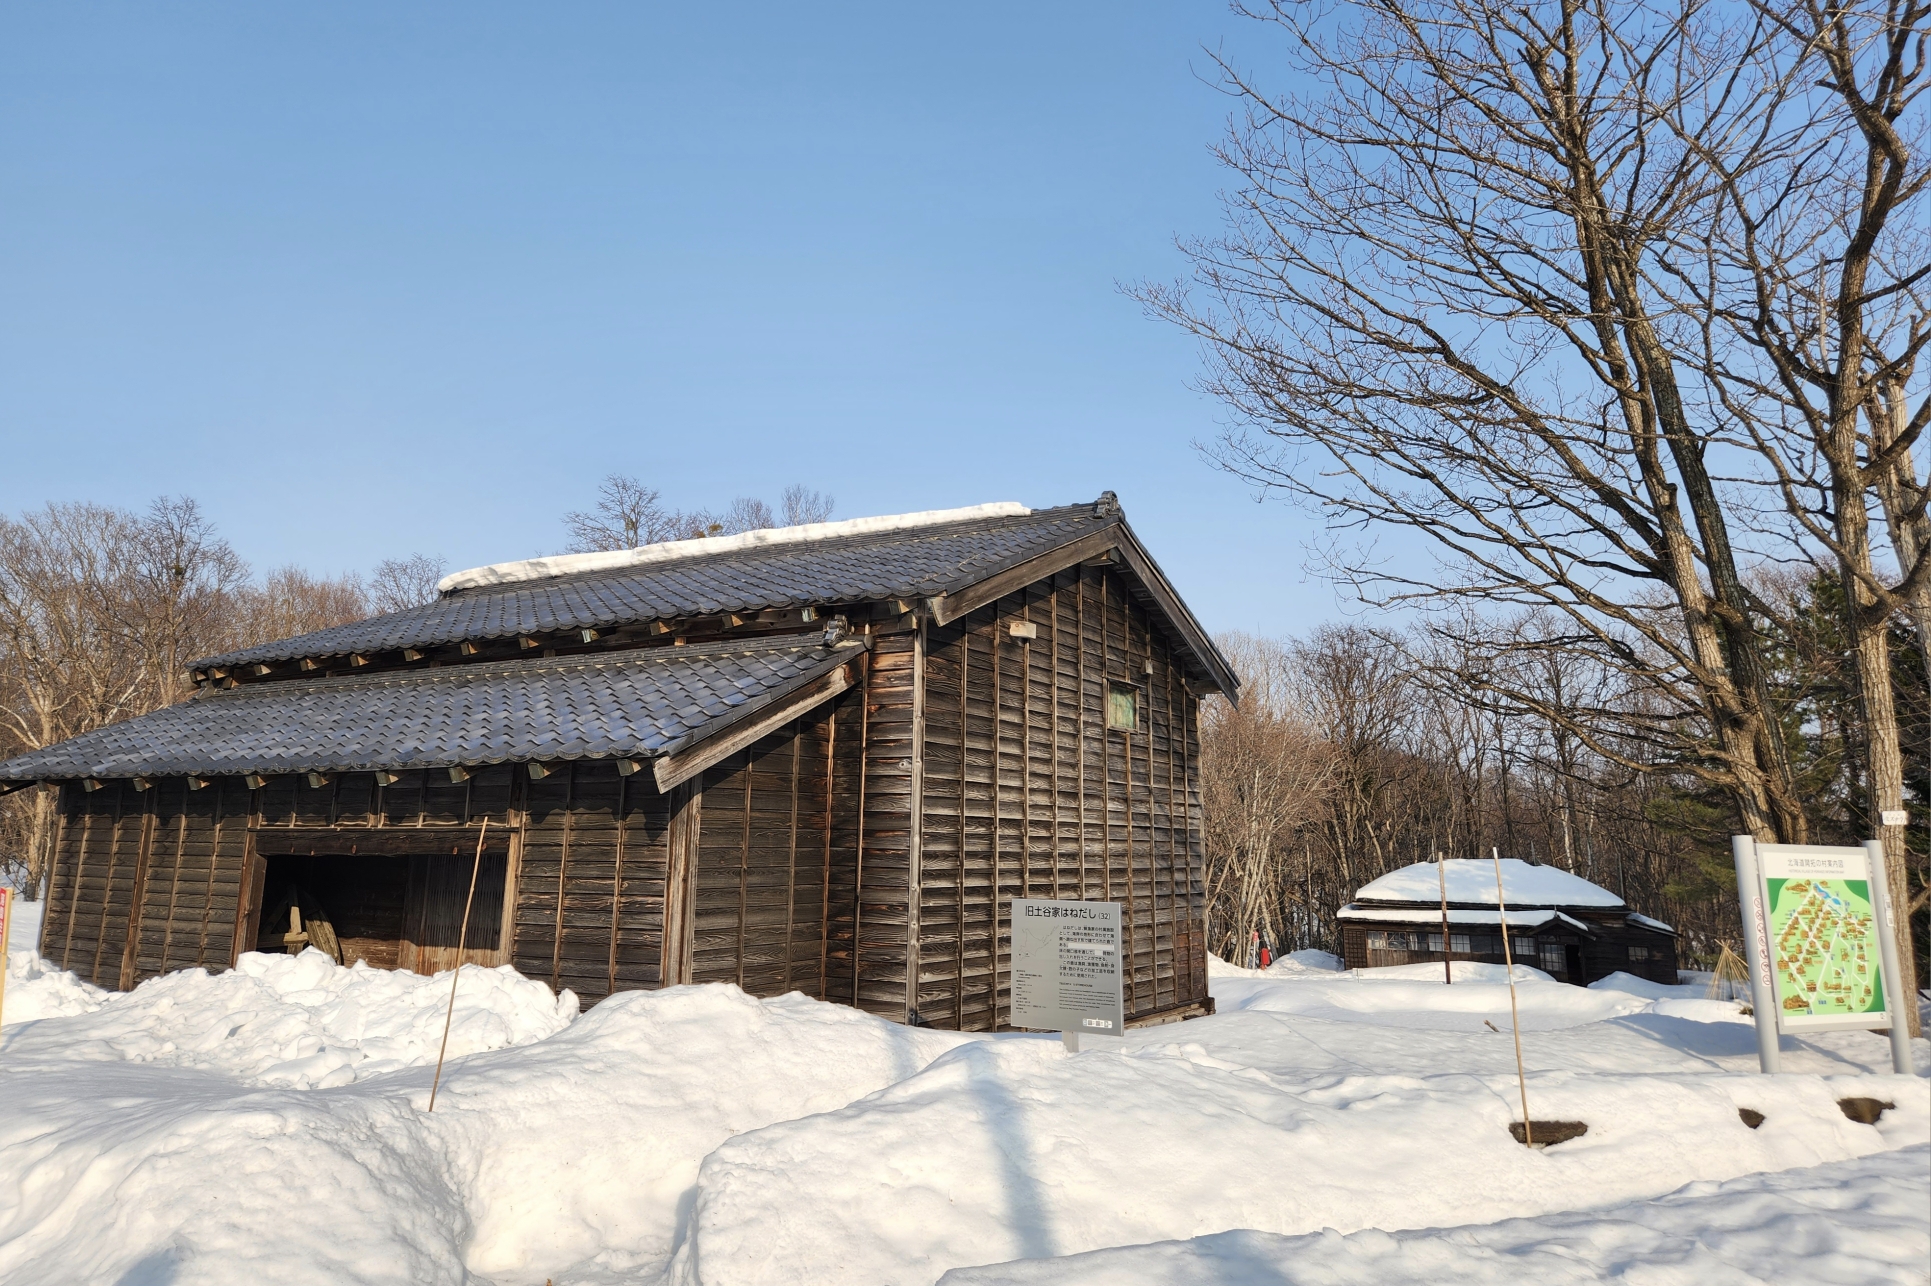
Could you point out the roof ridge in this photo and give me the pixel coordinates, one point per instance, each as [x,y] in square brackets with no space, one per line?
[666,551]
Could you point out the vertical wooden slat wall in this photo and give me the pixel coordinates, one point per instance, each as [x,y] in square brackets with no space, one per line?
[179,904]
[590,884]
[762,893]
[1028,793]
[884,854]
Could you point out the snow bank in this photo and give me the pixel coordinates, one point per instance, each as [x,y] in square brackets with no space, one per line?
[270,1124]
[1294,962]
[567,1158]
[1014,1149]
[584,1149]
[299,1021]
[1862,1222]
[36,989]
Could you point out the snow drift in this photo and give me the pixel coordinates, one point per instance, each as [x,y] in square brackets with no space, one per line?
[269,1124]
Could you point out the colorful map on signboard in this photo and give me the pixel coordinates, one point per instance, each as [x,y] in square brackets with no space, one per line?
[1824,940]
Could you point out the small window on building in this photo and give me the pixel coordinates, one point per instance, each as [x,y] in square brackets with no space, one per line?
[1552,958]
[1122,707]
[1639,953]
[1523,947]
[1459,943]
[1434,942]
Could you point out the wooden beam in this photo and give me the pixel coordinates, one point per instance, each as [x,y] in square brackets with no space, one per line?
[947,608]
[915,849]
[685,764]
[680,883]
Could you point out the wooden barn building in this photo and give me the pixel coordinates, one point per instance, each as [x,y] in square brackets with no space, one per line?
[818,758]
[1571,929]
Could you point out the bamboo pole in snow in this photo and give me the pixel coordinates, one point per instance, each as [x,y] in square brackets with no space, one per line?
[455,975]
[1515,1016]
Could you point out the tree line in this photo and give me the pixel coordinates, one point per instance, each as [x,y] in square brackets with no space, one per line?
[1353,752]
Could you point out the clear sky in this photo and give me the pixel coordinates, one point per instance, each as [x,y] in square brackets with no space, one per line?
[369,280]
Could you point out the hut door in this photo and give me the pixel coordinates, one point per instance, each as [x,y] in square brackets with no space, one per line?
[432,918]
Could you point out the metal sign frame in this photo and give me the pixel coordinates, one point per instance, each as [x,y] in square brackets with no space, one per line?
[1066,968]
[1813,869]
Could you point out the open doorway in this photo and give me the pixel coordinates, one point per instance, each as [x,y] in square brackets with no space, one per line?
[390,911]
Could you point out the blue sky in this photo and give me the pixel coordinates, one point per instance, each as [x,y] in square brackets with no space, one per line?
[369,280]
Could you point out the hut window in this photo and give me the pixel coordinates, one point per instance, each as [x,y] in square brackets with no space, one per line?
[1553,961]
[1122,707]
[1523,946]
[1639,953]
[1394,941]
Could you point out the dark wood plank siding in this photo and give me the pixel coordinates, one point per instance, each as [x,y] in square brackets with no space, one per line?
[1028,793]
[849,730]
[590,882]
[882,919]
[762,871]
[145,881]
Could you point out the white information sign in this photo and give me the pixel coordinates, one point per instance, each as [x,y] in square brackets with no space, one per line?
[1818,940]
[1066,967]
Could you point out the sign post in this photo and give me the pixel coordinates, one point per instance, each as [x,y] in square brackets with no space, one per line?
[1820,948]
[7,896]
[1066,968]
[1756,953]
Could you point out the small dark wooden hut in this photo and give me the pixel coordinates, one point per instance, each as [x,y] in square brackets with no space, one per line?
[820,759]
[1560,923]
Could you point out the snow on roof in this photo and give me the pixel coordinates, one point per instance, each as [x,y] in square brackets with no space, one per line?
[1489,919]
[1648,923]
[1473,880]
[1401,915]
[671,550]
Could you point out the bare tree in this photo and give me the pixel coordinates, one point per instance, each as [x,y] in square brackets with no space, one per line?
[627,514]
[173,597]
[1434,311]
[1811,267]
[1262,772]
[800,505]
[746,513]
[291,601]
[401,583]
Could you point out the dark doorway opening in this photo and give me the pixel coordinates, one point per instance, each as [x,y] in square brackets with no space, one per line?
[1572,956]
[394,912]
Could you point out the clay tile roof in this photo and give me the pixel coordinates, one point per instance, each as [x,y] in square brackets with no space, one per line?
[641,703]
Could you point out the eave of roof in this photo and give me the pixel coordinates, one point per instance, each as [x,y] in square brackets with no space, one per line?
[642,703]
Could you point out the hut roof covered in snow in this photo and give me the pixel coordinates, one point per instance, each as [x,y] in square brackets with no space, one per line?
[1472,881]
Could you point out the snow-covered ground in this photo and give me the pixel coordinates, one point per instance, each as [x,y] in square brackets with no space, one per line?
[1324,1127]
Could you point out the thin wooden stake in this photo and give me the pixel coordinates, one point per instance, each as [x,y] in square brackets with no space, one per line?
[1448,970]
[7,897]
[1515,1017]
[456,974]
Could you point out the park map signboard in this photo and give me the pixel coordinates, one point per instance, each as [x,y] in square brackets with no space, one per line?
[1066,967]
[1825,954]
[1817,935]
